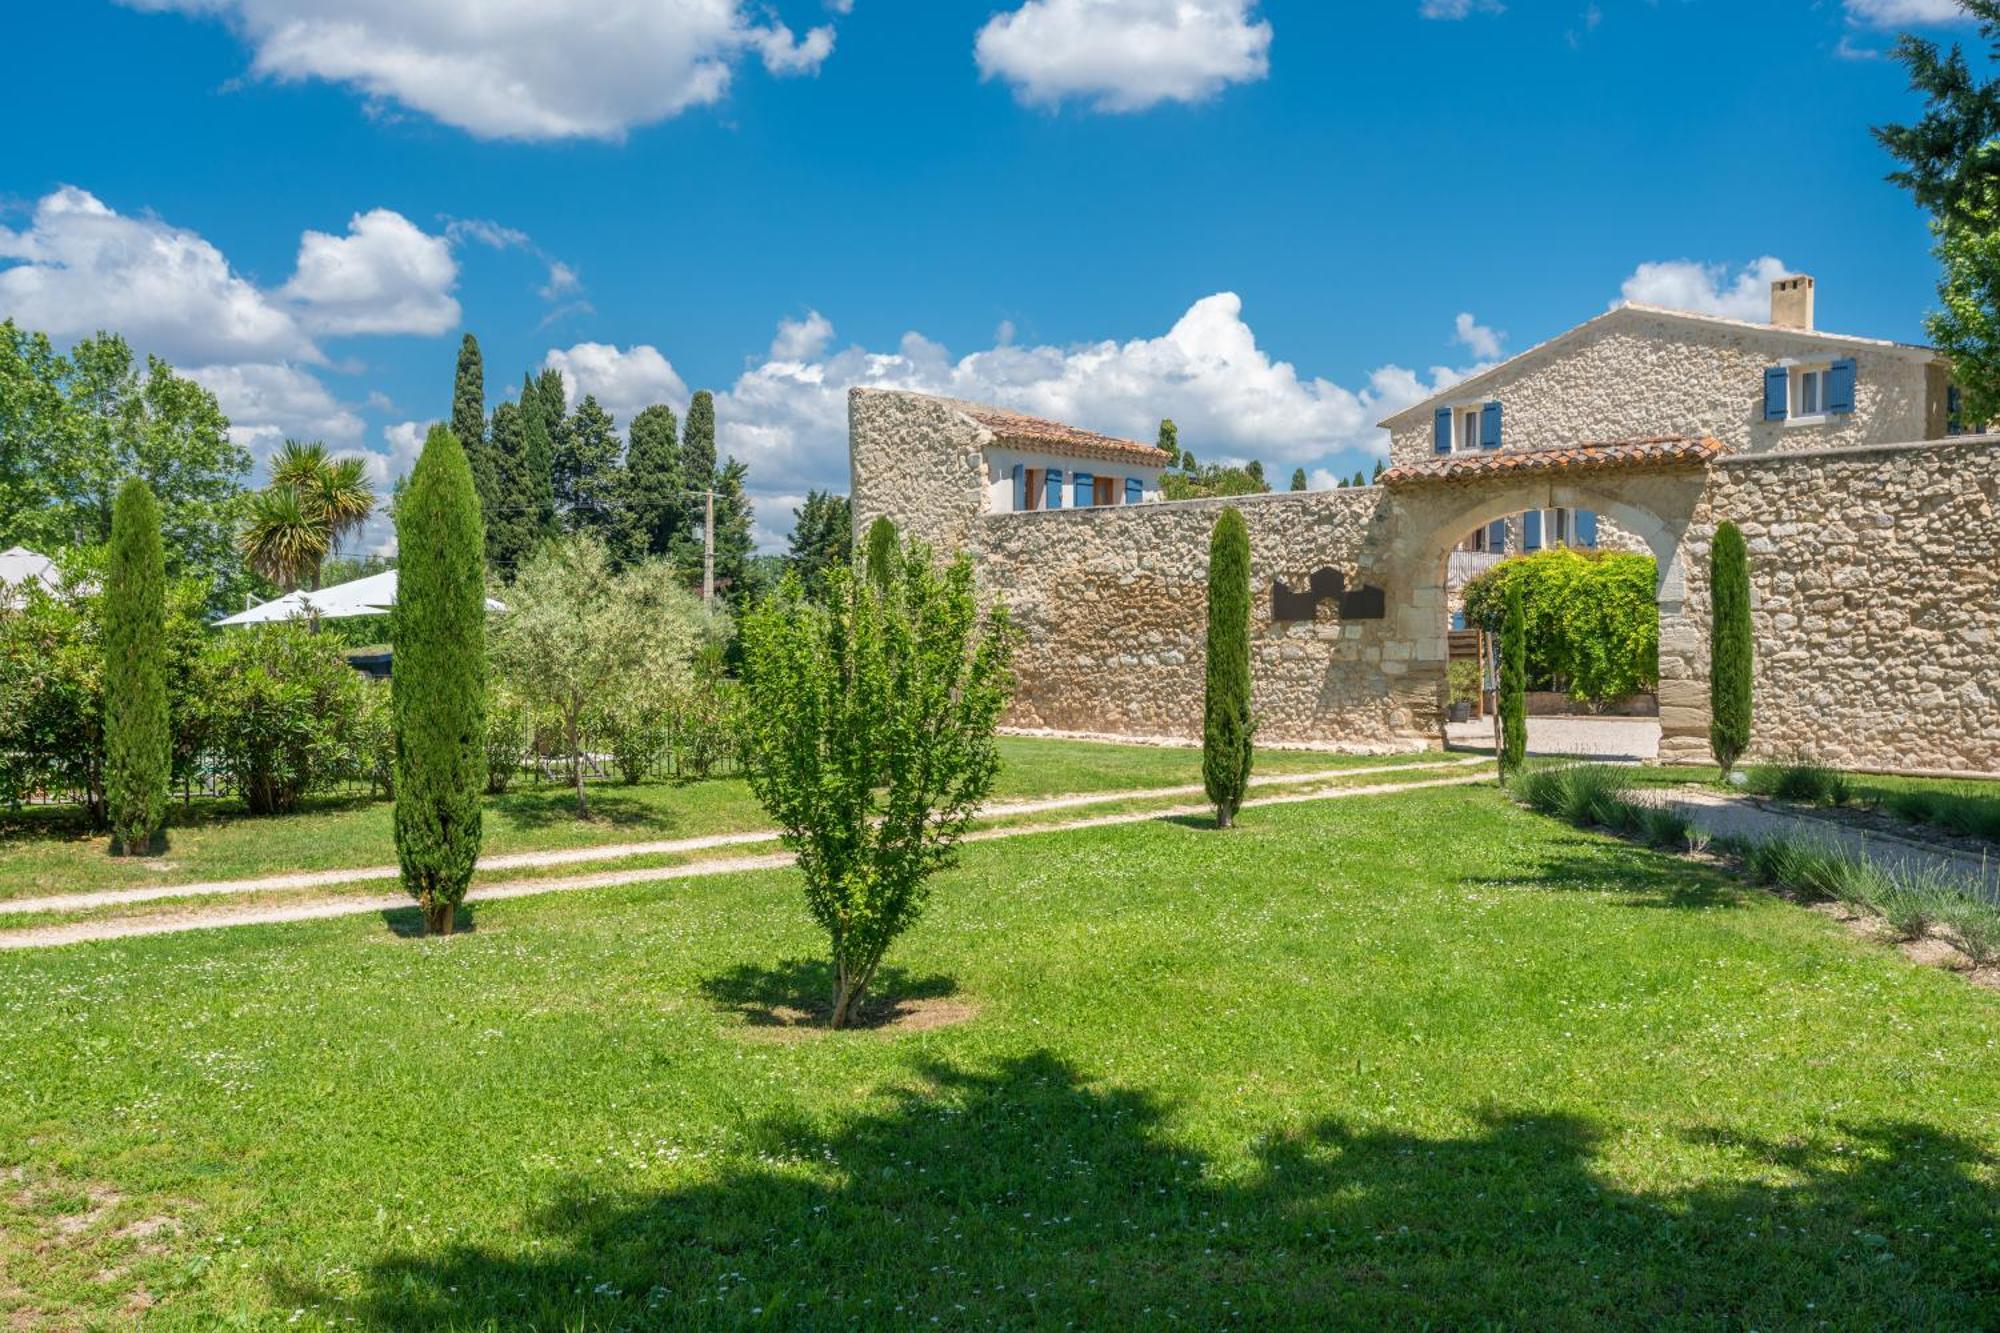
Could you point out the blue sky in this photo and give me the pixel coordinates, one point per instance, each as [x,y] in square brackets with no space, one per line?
[1275,221]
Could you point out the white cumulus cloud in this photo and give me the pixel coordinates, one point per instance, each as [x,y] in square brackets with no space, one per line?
[518,69]
[80,266]
[623,380]
[1477,338]
[1904,13]
[269,403]
[1458,9]
[385,276]
[802,339]
[1707,289]
[1124,55]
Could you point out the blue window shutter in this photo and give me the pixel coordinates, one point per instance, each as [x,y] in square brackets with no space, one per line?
[1441,431]
[1489,426]
[1586,528]
[1020,488]
[1083,482]
[1458,620]
[1496,536]
[1840,386]
[1531,529]
[1777,380]
[1052,489]
[1952,425]
[1135,491]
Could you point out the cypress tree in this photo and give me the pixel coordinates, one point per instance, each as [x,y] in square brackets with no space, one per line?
[1298,478]
[138,745]
[734,544]
[652,484]
[1730,651]
[510,528]
[1226,721]
[541,425]
[1170,440]
[1513,684]
[883,554]
[1376,475]
[697,469]
[468,419]
[438,634]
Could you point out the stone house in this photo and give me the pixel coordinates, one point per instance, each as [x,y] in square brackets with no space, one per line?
[1874,531]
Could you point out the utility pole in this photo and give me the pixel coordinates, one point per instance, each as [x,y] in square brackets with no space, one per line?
[708,553]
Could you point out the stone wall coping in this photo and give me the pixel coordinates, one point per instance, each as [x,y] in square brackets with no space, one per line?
[1767,458]
[1209,501]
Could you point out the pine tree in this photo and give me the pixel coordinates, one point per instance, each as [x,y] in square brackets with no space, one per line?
[1376,475]
[1513,701]
[1298,478]
[587,475]
[654,504]
[1226,722]
[822,537]
[1170,440]
[735,579]
[438,633]
[468,419]
[1730,651]
[138,745]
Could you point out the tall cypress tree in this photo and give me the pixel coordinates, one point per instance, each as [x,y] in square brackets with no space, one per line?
[697,468]
[1226,722]
[541,425]
[1513,702]
[468,419]
[653,503]
[438,634]
[510,534]
[138,744]
[1730,650]
[1170,440]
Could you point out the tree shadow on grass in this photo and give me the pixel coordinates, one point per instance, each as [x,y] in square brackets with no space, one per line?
[549,807]
[1640,876]
[799,993]
[408,922]
[1025,1195]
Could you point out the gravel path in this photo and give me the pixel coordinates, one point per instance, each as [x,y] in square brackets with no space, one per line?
[78,932]
[1747,819]
[1604,738]
[316,879]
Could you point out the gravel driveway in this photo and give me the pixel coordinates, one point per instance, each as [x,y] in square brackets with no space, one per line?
[1628,738]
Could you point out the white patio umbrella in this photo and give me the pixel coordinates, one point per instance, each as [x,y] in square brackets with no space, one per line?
[374,595]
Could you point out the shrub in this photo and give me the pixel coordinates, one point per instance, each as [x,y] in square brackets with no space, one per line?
[1668,829]
[1801,780]
[1513,701]
[883,550]
[1463,682]
[1227,726]
[508,736]
[1729,646]
[1970,814]
[1974,926]
[872,715]
[373,757]
[138,741]
[439,634]
[1593,621]
[281,707]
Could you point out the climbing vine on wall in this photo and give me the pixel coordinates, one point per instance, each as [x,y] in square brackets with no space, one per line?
[1593,624]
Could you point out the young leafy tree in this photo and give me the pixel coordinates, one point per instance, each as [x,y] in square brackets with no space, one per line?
[439,700]
[468,418]
[1513,701]
[654,504]
[1226,722]
[822,537]
[138,739]
[1298,478]
[1730,648]
[872,712]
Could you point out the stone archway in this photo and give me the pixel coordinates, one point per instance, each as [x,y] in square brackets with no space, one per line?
[1435,507]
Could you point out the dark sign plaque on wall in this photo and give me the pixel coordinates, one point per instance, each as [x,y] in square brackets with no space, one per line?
[1327,584]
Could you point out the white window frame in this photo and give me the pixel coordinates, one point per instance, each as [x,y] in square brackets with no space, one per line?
[1797,376]
[1465,428]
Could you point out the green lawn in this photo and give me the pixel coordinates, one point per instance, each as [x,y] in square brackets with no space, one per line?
[1426,1059]
[41,852]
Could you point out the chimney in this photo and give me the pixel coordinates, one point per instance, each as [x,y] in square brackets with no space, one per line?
[1792,302]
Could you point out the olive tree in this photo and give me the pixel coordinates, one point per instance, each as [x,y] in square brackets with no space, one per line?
[580,644]
[871,740]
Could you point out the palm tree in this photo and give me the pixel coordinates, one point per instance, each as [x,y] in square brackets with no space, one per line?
[314,503]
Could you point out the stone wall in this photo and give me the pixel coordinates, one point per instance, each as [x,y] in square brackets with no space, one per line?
[1635,375]
[918,460]
[1875,591]
[1113,608]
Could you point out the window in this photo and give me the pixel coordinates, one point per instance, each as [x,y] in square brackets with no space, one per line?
[1559,527]
[1808,393]
[1104,490]
[1466,438]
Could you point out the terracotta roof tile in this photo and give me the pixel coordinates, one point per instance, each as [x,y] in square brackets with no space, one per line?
[1018,428]
[1665,451]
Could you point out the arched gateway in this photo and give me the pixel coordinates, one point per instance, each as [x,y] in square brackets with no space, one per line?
[1873,525]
